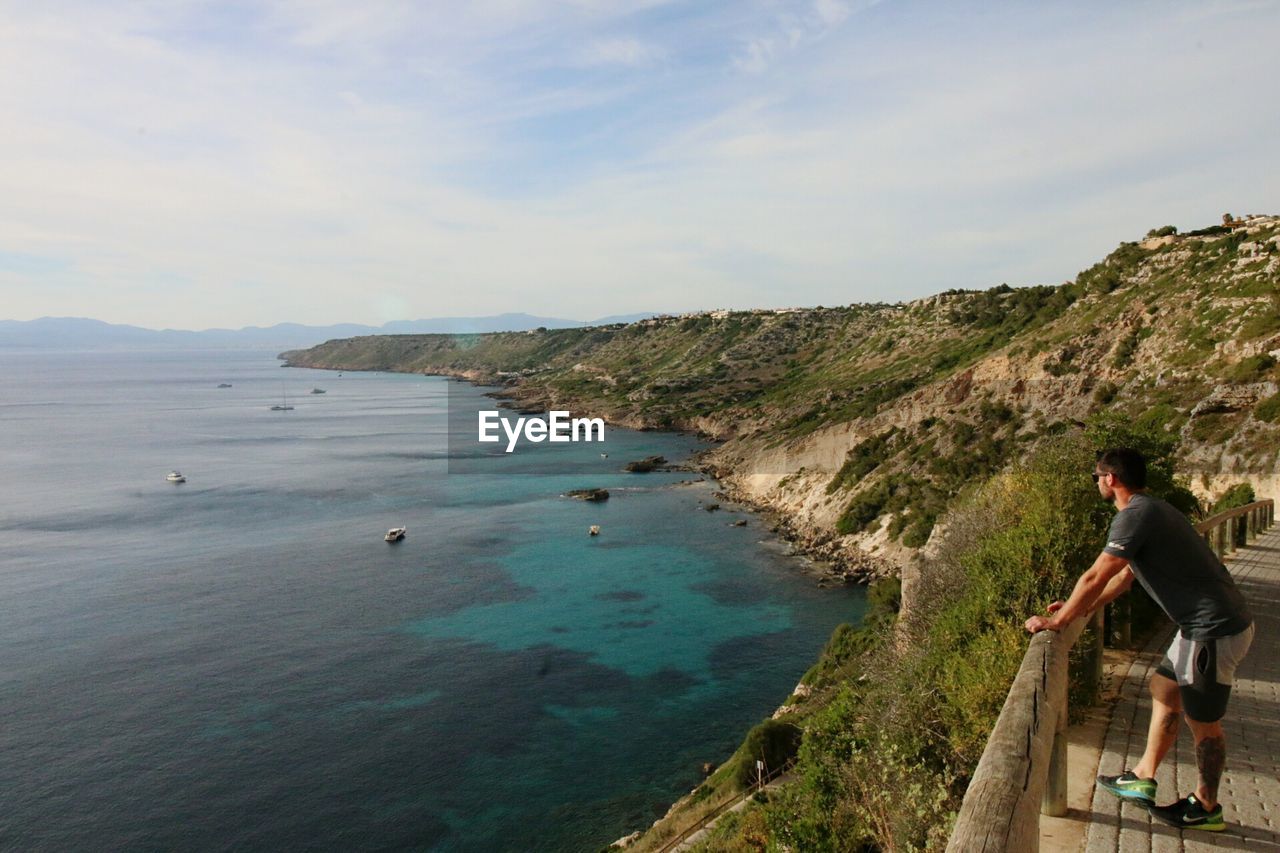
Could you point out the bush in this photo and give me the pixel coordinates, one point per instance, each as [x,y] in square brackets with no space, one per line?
[1163,231]
[864,458]
[1241,494]
[865,508]
[1112,429]
[1125,349]
[1251,369]
[773,742]
[1216,427]
[1268,410]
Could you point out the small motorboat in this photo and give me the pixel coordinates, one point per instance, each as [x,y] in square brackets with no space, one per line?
[317,390]
[176,477]
[594,530]
[395,534]
[224,384]
[604,455]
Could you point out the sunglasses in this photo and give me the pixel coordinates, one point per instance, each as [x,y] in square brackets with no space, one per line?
[1096,476]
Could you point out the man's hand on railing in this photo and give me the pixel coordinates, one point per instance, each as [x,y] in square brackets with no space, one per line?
[1036,624]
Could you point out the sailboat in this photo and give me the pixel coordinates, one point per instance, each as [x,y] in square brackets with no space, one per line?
[284,404]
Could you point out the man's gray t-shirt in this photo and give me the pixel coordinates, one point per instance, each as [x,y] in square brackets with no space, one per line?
[1178,569]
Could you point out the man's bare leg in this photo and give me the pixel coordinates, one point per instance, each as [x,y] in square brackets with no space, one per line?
[1211,757]
[1166,717]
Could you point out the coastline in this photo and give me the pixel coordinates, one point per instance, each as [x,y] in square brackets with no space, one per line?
[833,563]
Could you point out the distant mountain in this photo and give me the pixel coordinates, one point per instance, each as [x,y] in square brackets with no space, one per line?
[84,333]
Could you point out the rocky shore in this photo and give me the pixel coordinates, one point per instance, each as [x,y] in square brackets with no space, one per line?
[834,561]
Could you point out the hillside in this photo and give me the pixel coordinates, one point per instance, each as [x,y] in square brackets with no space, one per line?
[860,424]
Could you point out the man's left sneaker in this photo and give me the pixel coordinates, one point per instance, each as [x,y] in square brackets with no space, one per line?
[1130,787]
[1190,813]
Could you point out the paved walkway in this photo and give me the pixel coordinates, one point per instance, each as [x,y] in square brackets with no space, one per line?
[1250,790]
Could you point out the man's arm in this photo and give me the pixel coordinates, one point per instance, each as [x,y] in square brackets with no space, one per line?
[1116,587]
[1106,579]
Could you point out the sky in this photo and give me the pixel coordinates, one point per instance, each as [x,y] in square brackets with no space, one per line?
[190,164]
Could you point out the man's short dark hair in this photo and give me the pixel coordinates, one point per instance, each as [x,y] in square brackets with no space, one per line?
[1128,465]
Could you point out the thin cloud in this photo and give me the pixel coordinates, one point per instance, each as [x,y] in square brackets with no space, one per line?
[756,56]
[793,28]
[621,51]
[831,12]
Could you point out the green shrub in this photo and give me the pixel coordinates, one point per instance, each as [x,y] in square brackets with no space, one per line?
[1160,418]
[1252,369]
[1112,429]
[918,532]
[1268,410]
[1241,494]
[1105,393]
[1216,427]
[1163,231]
[864,458]
[865,508]
[773,741]
[1125,349]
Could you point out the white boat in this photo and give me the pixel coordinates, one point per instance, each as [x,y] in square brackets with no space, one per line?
[594,530]
[317,390]
[395,534]
[176,477]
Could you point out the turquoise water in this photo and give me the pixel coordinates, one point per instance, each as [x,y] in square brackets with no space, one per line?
[240,661]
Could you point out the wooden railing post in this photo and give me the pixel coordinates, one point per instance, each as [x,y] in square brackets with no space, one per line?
[1001,809]
[1122,621]
[1095,659]
[1054,802]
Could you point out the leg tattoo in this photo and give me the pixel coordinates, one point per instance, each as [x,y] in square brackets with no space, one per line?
[1211,756]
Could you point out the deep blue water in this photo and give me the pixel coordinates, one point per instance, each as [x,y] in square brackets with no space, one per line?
[241,661]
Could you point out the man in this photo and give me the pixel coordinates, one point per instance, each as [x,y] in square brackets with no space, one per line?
[1154,542]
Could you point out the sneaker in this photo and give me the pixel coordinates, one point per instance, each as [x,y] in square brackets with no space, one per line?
[1129,787]
[1191,814]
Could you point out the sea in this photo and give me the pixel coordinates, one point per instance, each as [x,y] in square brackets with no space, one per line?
[240,660]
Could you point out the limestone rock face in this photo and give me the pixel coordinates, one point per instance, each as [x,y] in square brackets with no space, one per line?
[1233,398]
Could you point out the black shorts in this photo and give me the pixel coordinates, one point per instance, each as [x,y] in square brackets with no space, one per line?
[1204,671]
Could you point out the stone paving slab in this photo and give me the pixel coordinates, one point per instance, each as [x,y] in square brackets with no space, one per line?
[1250,790]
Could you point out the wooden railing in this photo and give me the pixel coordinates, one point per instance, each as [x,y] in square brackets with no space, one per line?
[1001,809]
[1023,770]
[1228,530]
